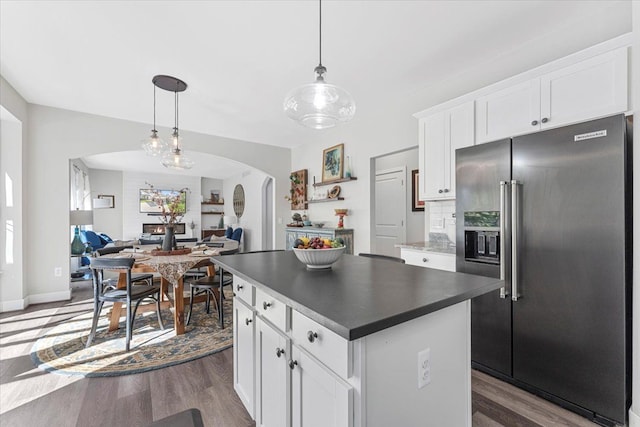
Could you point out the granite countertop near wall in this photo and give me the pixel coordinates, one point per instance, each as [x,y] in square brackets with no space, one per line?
[438,242]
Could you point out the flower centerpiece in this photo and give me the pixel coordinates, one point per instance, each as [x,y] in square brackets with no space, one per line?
[172,208]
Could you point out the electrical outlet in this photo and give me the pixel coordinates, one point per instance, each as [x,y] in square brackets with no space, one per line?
[424,367]
[57,271]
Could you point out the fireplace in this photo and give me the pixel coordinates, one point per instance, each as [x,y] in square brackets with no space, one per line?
[156,228]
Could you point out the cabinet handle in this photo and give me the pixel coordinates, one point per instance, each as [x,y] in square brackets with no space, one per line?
[425,259]
[279,352]
[239,287]
[266,305]
[247,321]
[545,120]
[534,123]
[293,364]
[439,191]
[446,190]
[311,336]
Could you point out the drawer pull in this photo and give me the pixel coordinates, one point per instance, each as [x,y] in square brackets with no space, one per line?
[534,123]
[247,321]
[311,336]
[425,259]
[545,120]
[293,364]
[239,287]
[266,305]
[279,352]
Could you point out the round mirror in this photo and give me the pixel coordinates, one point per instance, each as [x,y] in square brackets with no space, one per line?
[238,200]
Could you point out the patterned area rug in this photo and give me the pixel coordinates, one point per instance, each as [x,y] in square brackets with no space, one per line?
[62,349]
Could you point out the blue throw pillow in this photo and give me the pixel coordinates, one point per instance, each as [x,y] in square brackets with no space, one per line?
[228,233]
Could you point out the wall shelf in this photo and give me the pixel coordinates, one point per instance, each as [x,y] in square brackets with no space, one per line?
[326,200]
[212,203]
[212,213]
[320,184]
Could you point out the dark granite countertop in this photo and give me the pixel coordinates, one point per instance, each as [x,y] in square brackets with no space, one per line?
[358,296]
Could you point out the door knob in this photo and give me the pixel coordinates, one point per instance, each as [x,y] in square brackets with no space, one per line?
[446,190]
[247,321]
[239,287]
[293,364]
[279,352]
[311,336]
[545,120]
[440,191]
[534,123]
[266,305]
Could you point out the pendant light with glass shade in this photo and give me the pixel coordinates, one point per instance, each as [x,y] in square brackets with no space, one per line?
[319,105]
[154,145]
[174,158]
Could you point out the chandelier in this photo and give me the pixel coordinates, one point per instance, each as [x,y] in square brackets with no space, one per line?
[319,105]
[172,155]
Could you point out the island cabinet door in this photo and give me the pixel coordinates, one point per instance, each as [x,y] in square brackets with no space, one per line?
[319,397]
[273,378]
[243,354]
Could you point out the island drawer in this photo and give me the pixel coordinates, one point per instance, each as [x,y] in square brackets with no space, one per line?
[243,290]
[271,309]
[325,345]
[429,259]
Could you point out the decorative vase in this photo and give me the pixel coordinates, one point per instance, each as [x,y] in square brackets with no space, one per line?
[77,247]
[169,238]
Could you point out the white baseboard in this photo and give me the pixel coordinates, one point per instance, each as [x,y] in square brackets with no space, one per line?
[49,297]
[634,419]
[18,304]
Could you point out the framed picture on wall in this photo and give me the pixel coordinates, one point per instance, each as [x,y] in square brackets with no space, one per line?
[333,163]
[109,201]
[416,204]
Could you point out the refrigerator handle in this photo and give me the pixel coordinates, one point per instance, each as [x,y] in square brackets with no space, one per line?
[515,228]
[504,291]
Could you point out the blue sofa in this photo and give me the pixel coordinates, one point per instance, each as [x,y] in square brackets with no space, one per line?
[97,241]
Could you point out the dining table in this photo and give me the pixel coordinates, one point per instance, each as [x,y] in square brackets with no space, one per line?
[171,269]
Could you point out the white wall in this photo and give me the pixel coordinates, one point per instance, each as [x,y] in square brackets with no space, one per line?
[108,220]
[251,220]
[15,294]
[132,217]
[55,136]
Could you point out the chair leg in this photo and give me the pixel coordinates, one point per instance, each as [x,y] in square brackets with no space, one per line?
[190,305]
[215,300]
[97,308]
[208,302]
[128,328]
[158,310]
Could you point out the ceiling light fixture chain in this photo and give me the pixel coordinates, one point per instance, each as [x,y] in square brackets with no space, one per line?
[319,105]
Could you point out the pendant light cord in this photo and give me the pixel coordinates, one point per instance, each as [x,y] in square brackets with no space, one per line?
[320,31]
[154,107]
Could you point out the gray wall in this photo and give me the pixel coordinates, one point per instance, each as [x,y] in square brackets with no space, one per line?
[108,221]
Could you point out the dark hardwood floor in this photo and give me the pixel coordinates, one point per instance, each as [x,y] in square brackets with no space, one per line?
[33,398]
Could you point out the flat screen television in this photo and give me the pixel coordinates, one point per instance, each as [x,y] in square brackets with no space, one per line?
[148,205]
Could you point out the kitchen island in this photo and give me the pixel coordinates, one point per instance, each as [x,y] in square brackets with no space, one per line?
[366,343]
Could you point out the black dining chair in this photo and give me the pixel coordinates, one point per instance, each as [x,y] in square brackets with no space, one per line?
[209,285]
[135,277]
[105,291]
[378,256]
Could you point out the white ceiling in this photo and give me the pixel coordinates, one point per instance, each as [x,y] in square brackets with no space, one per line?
[240,58]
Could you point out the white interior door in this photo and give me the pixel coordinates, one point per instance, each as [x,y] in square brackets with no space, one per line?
[390,210]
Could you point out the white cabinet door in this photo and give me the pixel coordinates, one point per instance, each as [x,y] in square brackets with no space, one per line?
[590,89]
[432,149]
[273,392]
[514,110]
[441,134]
[460,134]
[319,398]
[243,354]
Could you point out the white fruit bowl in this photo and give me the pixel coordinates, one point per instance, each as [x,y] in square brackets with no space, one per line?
[316,259]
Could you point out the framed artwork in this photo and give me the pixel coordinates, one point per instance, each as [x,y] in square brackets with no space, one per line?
[416,204]
[298,192]
[333,163]
[110,200]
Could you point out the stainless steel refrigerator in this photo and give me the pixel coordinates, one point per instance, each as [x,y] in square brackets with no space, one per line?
[550,213]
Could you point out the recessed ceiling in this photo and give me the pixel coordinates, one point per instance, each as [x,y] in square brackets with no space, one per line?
[240,58]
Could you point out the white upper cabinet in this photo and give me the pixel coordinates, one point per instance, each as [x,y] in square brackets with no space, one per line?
[440,135]
[589,89]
